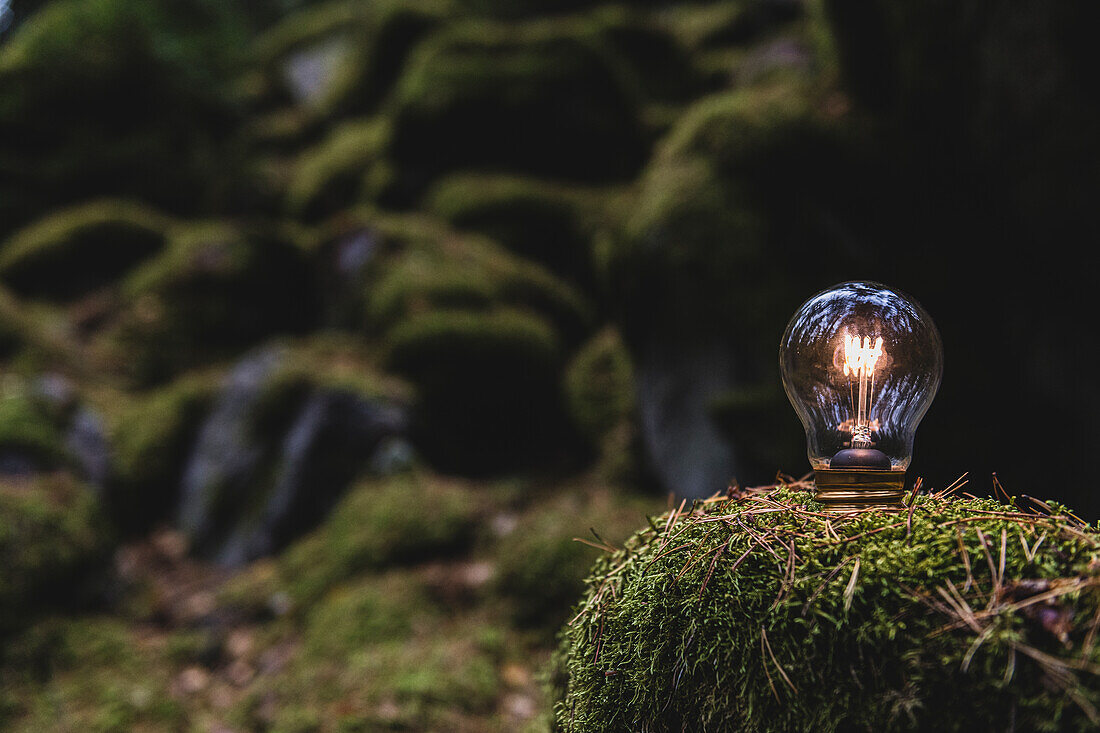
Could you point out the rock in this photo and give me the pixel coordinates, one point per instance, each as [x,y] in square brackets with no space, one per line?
[498,97]
[547,222]
[346,168]
[339,58]
[729,197]
[275,453]
[78,250]
[214,291]
[873,621]
[52,538]
[108,98]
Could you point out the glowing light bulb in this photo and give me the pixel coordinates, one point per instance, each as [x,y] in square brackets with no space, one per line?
[860,364]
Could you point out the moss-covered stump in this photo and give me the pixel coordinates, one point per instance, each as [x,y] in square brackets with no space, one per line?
[759,613]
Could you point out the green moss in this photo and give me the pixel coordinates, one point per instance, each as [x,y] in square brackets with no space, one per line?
[51,536]
[30,432]
[540,220]
[214,291]
[77,250]
[541,565]
[341,170]
[756,614]
[90,674]
[378,654]
[489,96]
[151,440]
[599,385]
[115,98]
[380,522]
[375,39]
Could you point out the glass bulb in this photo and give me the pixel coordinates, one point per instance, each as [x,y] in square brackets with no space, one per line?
[861,364]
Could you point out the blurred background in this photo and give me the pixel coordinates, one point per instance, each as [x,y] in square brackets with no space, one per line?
[325,327]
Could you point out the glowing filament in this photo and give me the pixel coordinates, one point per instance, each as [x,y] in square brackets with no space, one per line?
[860,358]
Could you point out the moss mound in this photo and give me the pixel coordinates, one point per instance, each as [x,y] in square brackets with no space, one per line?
[759,613]
[530,98]
[77,250]
[51,535]
[215,290]
[344,168]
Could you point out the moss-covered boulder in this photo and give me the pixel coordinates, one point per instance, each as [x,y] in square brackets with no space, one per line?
[32,438]
[346,168]
[151,439]
[214,290]
[52,535]
[760,613]
[114,98]
[339,58]
[545,221]
[80,249]
[531,98]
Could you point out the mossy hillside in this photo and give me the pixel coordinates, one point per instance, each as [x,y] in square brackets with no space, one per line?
[215,290]
[80,249]
[52,534]
[113,98]
[759,613]
[505,97]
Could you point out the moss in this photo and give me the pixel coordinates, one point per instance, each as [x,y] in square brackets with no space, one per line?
[540,220]
[151,440]
[29,433]
[341,170]
[207,297]
[508,98]
[756,614]
[599,385]
[80,249]
[90,674]
[541,565]
[376,38]
[380,522]
[114,98]
[51,536]
[378,654]
[488,384]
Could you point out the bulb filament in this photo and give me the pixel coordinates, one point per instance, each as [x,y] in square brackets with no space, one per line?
[860,358]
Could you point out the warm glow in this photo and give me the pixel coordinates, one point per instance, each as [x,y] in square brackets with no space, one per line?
[860,358]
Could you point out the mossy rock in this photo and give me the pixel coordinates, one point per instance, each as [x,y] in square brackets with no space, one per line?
[152,438]
[52,535]
[529,98]
[31,434]
[215,290]
[114,98]
[360,49]
[347,167]
[81,249]
[379,523]
[488,384]
[759,613]
[543,560]
[545,221]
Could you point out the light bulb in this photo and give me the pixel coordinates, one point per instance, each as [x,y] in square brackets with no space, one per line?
[860,363]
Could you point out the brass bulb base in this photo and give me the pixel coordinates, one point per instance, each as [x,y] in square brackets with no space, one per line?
[852,489]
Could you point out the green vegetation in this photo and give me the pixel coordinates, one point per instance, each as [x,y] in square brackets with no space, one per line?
[759,613]
[52,537]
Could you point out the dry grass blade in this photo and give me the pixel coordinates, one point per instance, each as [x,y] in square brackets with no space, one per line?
[966,560]
[850,589]
[778,666]
[955,485]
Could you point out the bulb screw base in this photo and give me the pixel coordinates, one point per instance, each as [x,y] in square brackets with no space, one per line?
[852,489]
